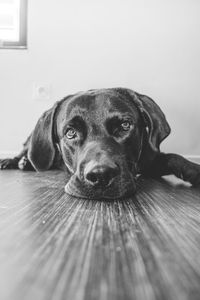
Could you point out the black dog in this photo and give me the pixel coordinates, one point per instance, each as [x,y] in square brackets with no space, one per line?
[104,138]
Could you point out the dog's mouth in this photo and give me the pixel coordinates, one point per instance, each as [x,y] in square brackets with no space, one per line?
[120,188]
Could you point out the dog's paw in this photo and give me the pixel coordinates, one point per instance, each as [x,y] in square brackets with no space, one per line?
[8,163]
[196,181]
[193,175]
[24,164]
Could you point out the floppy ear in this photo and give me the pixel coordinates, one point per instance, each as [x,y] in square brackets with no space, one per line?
[156,124]
[41,150]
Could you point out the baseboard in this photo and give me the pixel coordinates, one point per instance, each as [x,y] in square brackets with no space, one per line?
[194,158]
[4,154]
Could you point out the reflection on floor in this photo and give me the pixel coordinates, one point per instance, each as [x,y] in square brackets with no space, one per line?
[53,246]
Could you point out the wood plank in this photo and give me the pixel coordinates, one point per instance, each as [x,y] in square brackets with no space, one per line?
[53,246]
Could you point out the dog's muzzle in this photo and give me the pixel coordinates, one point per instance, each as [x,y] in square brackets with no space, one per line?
[101,173]
[101,181]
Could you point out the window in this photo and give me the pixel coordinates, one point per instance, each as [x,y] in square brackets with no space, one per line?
[13,24]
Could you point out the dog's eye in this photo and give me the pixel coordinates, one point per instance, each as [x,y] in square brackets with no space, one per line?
[126,125]
[71,133]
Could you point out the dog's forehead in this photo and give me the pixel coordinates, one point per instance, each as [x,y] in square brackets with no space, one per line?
[101,103]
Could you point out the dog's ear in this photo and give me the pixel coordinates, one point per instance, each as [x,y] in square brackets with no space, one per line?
[157,126]
[42,148]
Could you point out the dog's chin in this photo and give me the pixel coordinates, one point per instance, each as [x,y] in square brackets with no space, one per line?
[117,190]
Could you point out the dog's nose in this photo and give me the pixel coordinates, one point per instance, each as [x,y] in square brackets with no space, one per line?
[101,175]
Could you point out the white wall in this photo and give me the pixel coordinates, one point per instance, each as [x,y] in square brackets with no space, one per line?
[152,46]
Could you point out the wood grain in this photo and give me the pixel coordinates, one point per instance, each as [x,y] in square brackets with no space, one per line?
[53,246]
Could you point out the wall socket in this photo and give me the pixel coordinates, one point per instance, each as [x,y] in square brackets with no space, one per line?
[42,92]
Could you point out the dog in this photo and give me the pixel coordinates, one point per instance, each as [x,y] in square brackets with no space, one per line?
[104,139]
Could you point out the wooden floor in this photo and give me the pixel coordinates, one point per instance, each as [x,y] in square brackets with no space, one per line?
[53,246]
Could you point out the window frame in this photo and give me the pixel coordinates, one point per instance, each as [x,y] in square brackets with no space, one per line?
[22,42]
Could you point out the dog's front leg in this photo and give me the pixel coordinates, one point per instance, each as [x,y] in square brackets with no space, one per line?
[18,162]
[166,164]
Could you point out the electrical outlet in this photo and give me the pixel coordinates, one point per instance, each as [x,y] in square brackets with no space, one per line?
[42,92]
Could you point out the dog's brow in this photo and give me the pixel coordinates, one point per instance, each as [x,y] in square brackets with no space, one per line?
[76,112]
[119,115]
[76,119]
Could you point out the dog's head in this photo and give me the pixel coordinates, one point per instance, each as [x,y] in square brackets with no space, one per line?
[105,138]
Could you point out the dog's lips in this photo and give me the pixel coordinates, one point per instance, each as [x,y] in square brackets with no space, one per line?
[117,190]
